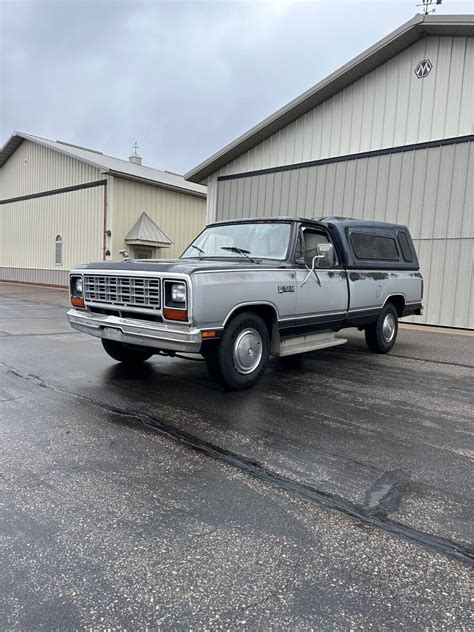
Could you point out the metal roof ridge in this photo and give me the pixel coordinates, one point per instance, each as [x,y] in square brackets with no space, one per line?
[162,178]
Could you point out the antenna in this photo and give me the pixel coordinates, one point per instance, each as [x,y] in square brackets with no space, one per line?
[427,4]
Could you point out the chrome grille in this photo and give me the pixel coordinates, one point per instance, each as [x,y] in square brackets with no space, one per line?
[122,290]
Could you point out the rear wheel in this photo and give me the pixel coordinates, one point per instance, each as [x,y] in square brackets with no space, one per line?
[241,356]
[381,335]
[126,353]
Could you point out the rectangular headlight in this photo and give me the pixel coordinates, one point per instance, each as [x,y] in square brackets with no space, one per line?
[76,291]
[178,293]
[76,286]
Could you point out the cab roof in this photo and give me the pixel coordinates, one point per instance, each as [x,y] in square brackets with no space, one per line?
[336,221]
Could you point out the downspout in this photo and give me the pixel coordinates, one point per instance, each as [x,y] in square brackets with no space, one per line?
[104,238]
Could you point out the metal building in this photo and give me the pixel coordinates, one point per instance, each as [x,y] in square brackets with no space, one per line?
[388,136]
[61,205]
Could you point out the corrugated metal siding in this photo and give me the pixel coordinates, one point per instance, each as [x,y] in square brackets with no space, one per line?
[180,216]
[28,230]
[388,107]
[30,275]
[430,190]
[33,168]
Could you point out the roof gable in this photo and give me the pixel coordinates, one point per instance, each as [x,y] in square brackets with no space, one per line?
[417,28]
[109,164]
[145,231]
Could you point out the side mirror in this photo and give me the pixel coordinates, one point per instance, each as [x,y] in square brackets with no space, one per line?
[325,256]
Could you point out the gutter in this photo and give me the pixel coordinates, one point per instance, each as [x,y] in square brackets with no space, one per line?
[161,185]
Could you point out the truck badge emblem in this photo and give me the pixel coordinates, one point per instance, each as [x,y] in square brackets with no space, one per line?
[285,288]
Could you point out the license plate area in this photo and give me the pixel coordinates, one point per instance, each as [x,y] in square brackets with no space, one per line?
[112,333]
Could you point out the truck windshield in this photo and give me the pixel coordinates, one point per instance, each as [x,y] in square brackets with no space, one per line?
[265,240]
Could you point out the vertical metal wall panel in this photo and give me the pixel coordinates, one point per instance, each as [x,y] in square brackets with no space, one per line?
[467,222]
[35,276]
[431,190]
[387,107]
[179,215]
[34,168]
[28,230]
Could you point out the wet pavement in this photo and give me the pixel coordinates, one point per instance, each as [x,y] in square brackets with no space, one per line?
[336,494]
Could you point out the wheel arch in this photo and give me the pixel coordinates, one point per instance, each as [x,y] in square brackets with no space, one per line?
[265,309]
[398,301]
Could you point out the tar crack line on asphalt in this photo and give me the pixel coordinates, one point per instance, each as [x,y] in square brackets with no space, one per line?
[347,349]
[385,494]
[260,472]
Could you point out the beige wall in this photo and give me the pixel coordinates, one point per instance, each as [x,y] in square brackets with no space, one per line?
[430,190]
[33,168]
[181,217]
[388,107]
[28,230]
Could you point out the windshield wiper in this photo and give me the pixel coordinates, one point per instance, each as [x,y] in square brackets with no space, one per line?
[200,250]
[240,251]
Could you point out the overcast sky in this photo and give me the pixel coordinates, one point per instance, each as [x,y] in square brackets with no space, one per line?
[181,78]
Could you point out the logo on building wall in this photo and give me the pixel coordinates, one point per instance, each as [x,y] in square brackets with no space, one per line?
[423,68]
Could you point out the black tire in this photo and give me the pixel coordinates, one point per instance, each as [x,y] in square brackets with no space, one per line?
[126,353]
[225,363]
[381,335]
[210,356]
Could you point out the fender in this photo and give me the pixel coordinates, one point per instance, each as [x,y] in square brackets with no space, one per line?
[250,304]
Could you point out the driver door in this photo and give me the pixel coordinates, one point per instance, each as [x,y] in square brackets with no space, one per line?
[321,300]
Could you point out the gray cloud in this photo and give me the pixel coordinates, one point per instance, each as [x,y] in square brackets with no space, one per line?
[182,78]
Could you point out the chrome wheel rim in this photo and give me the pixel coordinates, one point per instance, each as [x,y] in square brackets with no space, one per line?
[248,351]
[389,327]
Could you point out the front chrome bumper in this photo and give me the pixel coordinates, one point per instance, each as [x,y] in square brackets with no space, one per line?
[145,333]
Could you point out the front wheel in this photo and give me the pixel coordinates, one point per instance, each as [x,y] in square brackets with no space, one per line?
[381,335]
[125,353]
[241,357]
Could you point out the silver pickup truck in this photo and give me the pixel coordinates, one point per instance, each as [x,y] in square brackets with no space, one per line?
[248,289]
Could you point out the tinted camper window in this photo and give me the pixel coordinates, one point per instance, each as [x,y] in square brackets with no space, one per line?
[367,246]
[387,248]
[405,246]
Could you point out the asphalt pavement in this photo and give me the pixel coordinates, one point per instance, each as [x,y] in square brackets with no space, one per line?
[337,494]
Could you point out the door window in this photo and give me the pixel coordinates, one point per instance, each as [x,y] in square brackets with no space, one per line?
[307,248]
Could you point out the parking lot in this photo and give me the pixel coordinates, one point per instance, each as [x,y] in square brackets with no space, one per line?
[336,494]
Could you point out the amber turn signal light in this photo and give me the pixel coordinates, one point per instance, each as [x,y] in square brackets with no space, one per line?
[175,314]
[77,301]
[210,333]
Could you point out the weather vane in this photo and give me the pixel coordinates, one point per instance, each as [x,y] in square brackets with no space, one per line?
[135,146]
[426,4]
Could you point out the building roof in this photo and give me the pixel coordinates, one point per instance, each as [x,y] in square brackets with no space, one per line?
[109,164]
[418,27]
[145,231]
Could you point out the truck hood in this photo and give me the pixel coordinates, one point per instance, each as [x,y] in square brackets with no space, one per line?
[178,266]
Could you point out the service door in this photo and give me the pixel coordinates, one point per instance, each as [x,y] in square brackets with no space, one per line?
[321,301]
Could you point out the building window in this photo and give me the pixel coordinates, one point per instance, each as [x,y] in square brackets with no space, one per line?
[143,253]
[59,250]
